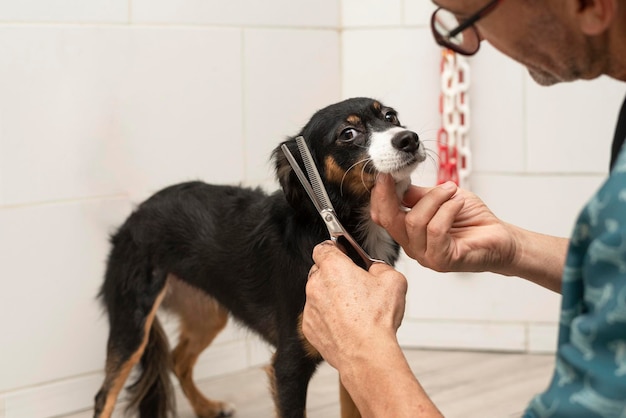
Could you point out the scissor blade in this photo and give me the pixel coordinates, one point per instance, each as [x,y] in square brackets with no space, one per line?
[321,200]
[314,175]
[303,180]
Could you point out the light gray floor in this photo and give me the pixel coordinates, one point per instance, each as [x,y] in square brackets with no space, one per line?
[463,384]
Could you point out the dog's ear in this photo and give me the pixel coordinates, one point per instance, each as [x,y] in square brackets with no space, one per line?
[293,190]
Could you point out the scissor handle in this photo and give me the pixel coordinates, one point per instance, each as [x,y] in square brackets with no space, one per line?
[336,230]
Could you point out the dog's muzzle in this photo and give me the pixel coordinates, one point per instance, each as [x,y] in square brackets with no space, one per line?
[396,151]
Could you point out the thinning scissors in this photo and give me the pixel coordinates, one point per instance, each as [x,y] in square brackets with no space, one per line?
[319,196]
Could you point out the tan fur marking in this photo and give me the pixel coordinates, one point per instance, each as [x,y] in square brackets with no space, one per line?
[354,120]
[201,320]
[308,348]
[348,408]
[356,181]
[269,369]
[118,382]
[377,106]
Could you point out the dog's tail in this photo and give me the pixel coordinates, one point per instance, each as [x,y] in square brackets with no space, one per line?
[152,393]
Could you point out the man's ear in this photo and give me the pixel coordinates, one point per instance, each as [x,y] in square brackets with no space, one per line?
[595,16]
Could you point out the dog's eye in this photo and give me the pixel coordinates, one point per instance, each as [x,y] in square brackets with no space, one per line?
[348,134]
[391,117]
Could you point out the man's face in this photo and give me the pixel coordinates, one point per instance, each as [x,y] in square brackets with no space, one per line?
[535,33]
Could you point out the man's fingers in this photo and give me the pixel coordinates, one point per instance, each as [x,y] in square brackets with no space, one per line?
[421,214]
[325,250]
[378,269]
[386,210]
[413,195]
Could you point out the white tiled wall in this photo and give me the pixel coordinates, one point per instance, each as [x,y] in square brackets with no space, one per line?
[104,102]
[57,11]
[274,13]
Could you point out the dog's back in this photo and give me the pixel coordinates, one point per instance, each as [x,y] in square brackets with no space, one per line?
[235,244]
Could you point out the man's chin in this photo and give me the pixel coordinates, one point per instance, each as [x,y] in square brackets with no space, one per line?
[543,78]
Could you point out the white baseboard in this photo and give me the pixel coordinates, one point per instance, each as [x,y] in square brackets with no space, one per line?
[542,338]
[52,399]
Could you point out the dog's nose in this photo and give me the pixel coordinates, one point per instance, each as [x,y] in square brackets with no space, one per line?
[407,141]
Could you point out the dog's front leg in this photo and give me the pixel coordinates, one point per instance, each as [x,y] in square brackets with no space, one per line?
[290,373]
[348,408]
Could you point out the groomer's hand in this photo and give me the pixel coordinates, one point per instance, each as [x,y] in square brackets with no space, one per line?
[348,310]
[446,228]
[351,316]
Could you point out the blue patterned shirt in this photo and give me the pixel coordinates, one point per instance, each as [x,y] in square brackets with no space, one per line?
[590,374]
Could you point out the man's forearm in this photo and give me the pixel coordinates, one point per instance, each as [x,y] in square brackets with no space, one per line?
[539,258]
[382,384]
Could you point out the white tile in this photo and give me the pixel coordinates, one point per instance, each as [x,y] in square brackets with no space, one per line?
[497,129]
[57,112]
[102,11]
[478,297]
[571,125]
[233,332]
[181,108]
[221,359]
[402,76]
[259,352]
[97,111]
[542,338]
[418,12]
[546,204]
[317,13]
[289,74]
[368,13]
[462,335]
[53,262]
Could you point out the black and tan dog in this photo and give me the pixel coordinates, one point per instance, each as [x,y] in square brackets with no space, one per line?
[203,251]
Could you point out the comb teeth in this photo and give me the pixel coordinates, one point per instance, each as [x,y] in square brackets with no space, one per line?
[314,176]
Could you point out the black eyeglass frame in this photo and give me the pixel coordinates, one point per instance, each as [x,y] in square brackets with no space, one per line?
[442,40]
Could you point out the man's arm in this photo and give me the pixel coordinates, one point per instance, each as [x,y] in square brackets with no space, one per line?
[538,258]
[382,384]
[351,316]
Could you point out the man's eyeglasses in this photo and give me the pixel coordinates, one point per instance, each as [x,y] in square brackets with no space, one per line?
[459,36]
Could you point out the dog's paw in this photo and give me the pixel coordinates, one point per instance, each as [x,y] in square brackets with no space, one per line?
[227,410]
[217,410]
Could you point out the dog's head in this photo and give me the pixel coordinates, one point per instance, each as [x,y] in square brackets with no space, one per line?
[352,142]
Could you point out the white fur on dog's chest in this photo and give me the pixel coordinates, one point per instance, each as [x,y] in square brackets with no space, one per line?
[377,242]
